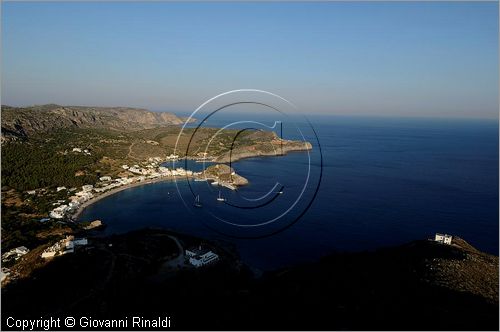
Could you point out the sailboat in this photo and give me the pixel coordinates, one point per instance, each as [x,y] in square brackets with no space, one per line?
[220,198]
[197,202]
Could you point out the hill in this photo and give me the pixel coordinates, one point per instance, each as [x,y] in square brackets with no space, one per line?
[26,121]
[401,287]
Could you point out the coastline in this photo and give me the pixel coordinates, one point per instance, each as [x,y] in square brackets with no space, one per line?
[253,154]
[95,199]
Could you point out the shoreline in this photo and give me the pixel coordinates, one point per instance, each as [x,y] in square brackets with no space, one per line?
[245,155]
[95,199]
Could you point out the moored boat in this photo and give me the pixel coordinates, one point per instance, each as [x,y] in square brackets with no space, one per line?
[197,202]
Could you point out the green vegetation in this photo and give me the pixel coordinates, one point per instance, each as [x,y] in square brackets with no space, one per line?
[28,166]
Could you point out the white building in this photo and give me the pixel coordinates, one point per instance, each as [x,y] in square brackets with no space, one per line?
[58,212]
[443,238]
[4,273]
[60,188]
[15,253]
[77,150]
[164,171]
[105,178]
[124,180]
[65,246]
[48,253]
[136,170]
[201,257]
[73,204]
[172,157]
[81,197]
[87,187]
[125,166]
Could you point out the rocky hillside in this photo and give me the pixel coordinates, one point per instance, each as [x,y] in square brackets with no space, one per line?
[25,121]
[471,271]
[261,143]
[224,173]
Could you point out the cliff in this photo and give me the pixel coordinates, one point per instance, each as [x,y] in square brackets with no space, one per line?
[260,149]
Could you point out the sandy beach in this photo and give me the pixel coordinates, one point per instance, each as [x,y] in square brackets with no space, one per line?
[96,198]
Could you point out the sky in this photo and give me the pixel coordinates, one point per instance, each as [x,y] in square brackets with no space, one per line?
[384,58]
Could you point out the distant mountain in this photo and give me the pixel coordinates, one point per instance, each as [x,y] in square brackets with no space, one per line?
[26,121]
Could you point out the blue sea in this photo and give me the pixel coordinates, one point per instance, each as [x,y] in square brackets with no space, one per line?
[382,182]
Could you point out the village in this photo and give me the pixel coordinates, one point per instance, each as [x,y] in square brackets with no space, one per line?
[65,210]
[150,170]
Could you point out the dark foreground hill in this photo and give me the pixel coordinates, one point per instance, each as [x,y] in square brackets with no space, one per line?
[419,286]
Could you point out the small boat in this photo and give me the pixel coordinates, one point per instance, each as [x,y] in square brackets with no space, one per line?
[280,192]
[199,179]
[215,183]
[197,202]
[220,198]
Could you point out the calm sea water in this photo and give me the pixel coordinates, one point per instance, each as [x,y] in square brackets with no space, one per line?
[385,182]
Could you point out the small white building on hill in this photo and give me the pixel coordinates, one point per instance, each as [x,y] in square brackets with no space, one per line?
[199,257]
[443,238]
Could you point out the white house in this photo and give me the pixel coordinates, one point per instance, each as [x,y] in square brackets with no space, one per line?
[200,257]
[124,180]
[125,166]
[60,188]
[65,246]
[443,238]
[4,273]
[87,187]
[48,254]
[136,170]
[21,250]
[73,204]
[172,157]
[81,197]
[77,150]
[105,178]
[204,259]
[15,253]
[58,212]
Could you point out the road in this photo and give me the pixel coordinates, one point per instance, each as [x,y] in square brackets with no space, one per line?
[179,261]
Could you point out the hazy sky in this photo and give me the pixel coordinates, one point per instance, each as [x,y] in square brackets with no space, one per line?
[405,59]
